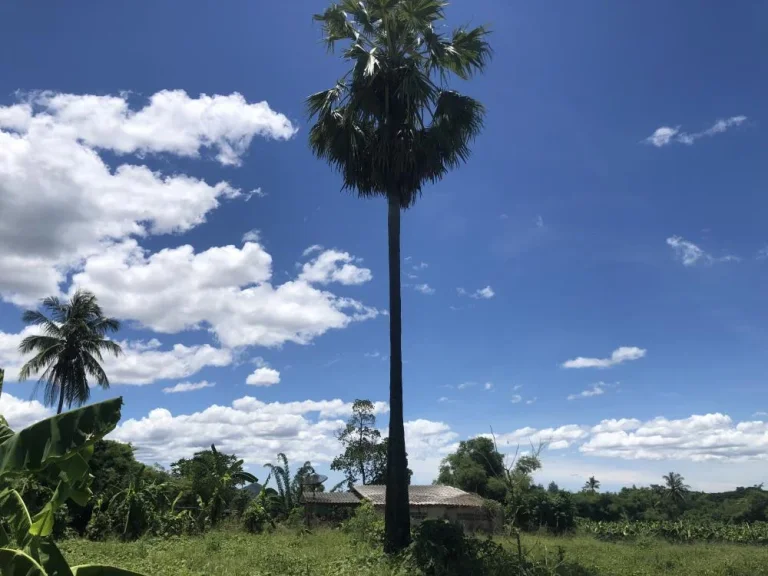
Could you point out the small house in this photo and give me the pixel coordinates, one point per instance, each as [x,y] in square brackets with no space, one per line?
[426,502]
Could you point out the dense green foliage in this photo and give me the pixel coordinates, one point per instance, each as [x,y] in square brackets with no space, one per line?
[684,531]
[69,348]
[60,448]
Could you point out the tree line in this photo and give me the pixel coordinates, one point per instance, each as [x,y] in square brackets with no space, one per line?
[478,466]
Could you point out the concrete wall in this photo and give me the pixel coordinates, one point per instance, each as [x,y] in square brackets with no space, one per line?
[473,519]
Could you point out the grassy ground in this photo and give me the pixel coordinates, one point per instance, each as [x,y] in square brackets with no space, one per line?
[332,553]
[653,557]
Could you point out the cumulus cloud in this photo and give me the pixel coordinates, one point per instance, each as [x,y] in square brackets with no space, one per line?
[488,386]
[263,376]
[334,266]
[697,438]
[224,289]
[667,135]
[554,438]
[146,362]
[188,387]
[516,399]
[62,203]
[21,413]
[141,363]
[691,255]
[255,431]
[618,356]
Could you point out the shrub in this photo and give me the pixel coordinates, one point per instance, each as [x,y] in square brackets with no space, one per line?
[441,548]
[98,526]
[255,518]
[366,525]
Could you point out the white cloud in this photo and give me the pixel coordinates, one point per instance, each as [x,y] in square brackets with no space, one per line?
[517,387]
[374,354]
[618,356]
[188,387]
[667,135]
[257,431]
[144,362]
[516,398]
[252,236]
[539,221]
[697,438]
[465,385]
[334,266]
[21,413]
[263,377]
[484,293]
[224,289]
[61,202]
[531,401]
[481,293]
[424,289]
[312,249]
[690,254]
[760,414]
[443,399]
[420,266]
[555,438]
[171,122]
[488,386]
[595,390]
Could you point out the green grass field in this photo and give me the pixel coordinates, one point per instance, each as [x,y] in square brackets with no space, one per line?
[326,552]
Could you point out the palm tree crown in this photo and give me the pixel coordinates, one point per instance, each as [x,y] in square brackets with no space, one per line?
[69,350]
[592,485]
[390,124]
[676,488]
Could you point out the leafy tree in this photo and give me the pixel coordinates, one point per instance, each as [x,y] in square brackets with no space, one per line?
[476,466]
[69,349]
[390,126]
[592,485]
[361,460]
[136,506]
[214,477]
[553,488]
[379,466]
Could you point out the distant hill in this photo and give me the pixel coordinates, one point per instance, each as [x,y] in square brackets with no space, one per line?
[253,489]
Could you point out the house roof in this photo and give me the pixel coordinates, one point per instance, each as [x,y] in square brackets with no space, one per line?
[331,497]
[428,495]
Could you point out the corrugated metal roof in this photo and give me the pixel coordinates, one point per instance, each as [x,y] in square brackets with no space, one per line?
[422,495]
[331,498]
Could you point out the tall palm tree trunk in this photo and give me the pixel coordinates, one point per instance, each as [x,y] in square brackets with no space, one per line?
[61,399]
[397,520]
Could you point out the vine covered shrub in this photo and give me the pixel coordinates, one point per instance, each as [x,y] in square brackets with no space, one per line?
[255,518]
[366,525]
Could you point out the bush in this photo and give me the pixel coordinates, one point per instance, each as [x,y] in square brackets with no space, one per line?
[255,518]
[366,525]
[441,548]
[98,526]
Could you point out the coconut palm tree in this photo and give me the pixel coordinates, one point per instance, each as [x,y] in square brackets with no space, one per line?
[69,350]
[592,485]
[675,488]
[390,126]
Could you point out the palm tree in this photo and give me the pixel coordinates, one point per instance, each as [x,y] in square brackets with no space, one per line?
[676,489]
[592,485]
[390,126]
[69,348]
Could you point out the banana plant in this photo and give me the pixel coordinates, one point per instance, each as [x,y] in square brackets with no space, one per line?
[60,448]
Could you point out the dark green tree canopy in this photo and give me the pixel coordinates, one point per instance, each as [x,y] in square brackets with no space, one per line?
[69,350]
[476,466]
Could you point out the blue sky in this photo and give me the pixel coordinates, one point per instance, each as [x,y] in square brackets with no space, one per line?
[616,199]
